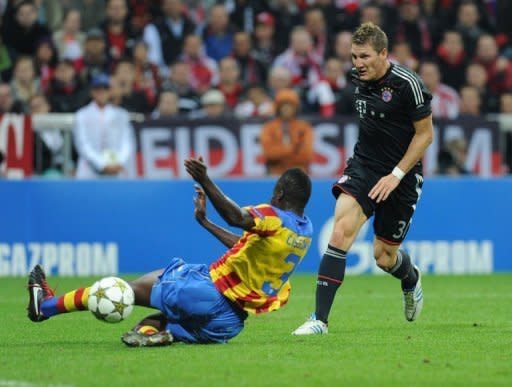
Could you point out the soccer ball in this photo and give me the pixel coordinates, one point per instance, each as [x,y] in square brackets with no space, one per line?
[111,299]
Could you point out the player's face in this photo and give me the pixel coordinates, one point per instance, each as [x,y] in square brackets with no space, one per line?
[369,63]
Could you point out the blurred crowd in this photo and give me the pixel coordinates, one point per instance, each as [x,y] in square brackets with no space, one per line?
[166,58]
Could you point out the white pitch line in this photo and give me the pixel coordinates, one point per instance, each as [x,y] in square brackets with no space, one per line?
[21,383]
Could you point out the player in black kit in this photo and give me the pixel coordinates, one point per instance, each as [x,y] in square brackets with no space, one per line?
[383,178]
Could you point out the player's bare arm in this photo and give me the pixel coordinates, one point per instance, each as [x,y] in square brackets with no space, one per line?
[227,208]
[226,237]
[424,134]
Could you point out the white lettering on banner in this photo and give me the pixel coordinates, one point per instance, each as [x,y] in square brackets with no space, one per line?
[18,259]
[329,151]
[182,149]
[439,257]
[203,136]
[5,252]
[15,121]
[331,138]
[249,142]
[152,152]
[480,152]
[65,259]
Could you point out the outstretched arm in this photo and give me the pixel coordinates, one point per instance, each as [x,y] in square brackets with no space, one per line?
[226,237]
[227,208]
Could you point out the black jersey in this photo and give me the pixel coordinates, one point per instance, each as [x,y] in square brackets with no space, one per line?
[387,109]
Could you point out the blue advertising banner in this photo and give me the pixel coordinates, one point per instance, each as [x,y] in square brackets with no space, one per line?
[109,227]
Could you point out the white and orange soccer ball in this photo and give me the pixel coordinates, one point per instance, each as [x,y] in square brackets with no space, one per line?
[111,299]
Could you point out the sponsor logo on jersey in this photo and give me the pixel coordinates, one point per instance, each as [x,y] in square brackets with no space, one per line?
[387,94]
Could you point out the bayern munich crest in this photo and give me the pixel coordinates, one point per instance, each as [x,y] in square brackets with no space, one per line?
[387,94]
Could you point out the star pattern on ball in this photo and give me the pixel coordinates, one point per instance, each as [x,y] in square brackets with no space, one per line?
[119,307]
[122,286]
[100,293]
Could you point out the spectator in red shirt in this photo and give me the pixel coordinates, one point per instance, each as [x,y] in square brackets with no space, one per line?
[146,73]
[119,34]
[452,59]
[301,60]
[499,68]
[69,40]
[229,81]
[445,99]
[314,22]
[251,69]
[203,69]
[45,62]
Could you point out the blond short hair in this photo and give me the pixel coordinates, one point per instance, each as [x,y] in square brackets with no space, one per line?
[369,33]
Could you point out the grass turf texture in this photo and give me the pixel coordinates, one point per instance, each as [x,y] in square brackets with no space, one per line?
[464,337]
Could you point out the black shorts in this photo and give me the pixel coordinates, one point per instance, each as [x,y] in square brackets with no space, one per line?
[392,216]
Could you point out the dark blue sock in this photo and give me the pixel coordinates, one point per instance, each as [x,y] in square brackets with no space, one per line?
[330,278]
[404,270]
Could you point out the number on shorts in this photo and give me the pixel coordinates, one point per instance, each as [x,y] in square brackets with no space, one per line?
[403,226]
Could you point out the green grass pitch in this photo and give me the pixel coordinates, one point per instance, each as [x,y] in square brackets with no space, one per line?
[463,337]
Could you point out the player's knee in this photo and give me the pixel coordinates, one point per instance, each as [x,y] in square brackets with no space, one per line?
[383,258]
[341,230]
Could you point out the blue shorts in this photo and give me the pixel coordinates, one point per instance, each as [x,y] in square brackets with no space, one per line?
[195,310]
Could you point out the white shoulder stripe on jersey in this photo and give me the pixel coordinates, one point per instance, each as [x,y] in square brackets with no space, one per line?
[410,76]
[418,95]
[416,88]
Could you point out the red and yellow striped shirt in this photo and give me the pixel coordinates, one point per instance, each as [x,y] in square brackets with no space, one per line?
[254,272]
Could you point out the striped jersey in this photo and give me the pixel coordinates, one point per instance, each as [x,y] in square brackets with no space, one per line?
[387,109]
[254,272]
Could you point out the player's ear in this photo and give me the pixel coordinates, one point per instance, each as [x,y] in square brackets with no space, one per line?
[277,197]
[280,195]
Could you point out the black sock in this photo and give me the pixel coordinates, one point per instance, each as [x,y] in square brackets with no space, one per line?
[330,277]
[404,270]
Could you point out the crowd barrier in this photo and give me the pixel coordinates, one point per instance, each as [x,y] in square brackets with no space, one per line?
[78,228]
